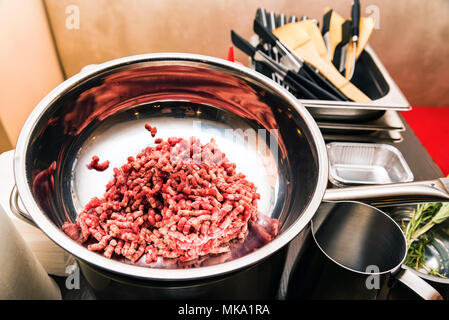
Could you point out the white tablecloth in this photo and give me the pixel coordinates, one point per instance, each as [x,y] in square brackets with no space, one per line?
[52,257]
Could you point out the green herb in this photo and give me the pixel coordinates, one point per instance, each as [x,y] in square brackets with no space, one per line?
[416,253]
[416,233]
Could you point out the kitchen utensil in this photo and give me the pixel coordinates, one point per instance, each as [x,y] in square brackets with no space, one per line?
[312,30]
[325,32]
[341,50]
[298,41]
[366,29]
[271,19]
[295,63]
[303,86]
[289,60]
[282,19]
[261,17]
[22,277]
[276,68]
[102,111]
[372,79]
[355,251]
[268,22]
[355,17]
[292,19]
[340,45]
[366,163]
[375,81]
[334,34]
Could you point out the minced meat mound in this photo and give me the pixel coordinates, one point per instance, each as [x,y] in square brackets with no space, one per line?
[177,199]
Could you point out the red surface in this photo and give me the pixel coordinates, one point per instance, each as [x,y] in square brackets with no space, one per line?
[431,126]
[231,54]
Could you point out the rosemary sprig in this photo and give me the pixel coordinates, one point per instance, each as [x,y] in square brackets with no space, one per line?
[424,218]
[416,253]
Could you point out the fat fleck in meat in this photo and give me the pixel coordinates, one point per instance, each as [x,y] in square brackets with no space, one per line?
[178,199]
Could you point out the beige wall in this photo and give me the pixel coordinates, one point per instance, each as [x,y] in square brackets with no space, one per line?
[413,39]
[28,64]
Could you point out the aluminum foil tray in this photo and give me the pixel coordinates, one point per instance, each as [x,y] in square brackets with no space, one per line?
[366,163]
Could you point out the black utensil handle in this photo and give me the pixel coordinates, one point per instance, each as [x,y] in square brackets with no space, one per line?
[271,19]
[355,16]
[293,19]
[299,88]
[242,44]
[303,72]
[282,20]
[264,32]
[323,82]
[315,89]
[345,39]
[261,16]
[326,22]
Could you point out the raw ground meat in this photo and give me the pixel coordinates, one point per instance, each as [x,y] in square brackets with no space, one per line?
[177,199]
[153,130]
[94,164]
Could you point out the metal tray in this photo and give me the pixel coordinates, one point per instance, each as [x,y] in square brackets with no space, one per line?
[377,136]
[389,121]
[372,78]
[366,163]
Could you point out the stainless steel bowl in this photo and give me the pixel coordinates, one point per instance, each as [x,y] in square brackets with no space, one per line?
[102,111]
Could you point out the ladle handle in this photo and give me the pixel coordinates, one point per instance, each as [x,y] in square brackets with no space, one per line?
[420,286]
[396,193]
